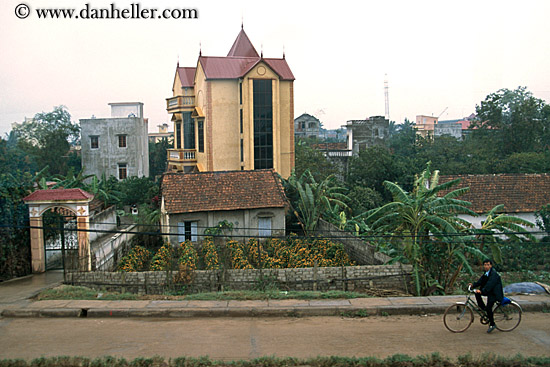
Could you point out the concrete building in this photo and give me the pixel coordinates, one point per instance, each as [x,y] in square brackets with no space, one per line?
[425,125]
[307,126]
[116,146]
[363,134]
[450,128]
[163,133]
[234,112]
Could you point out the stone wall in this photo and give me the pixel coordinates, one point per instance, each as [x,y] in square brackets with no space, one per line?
[350,278]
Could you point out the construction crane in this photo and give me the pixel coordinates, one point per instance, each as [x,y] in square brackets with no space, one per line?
[442,112]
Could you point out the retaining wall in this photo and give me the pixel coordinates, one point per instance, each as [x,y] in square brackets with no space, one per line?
[350,278]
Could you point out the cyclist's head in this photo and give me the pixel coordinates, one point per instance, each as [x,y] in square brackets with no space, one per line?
[488,261]
[487,264]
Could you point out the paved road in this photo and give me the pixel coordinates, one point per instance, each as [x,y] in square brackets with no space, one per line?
[247,337]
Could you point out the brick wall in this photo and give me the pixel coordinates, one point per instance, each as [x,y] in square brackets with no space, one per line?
[351,278]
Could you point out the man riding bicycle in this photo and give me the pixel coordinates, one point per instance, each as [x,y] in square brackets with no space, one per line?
[490,285]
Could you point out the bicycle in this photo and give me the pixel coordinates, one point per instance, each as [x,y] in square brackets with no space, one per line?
[458,317]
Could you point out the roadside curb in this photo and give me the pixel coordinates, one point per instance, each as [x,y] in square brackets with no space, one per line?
[250,311]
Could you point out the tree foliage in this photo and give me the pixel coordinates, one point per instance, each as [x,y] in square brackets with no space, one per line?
[48,138]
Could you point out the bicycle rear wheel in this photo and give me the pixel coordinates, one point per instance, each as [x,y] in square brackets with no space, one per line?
[507,317]
[458,317]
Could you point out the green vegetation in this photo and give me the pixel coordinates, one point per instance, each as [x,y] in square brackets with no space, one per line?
[397,360]
[67,292]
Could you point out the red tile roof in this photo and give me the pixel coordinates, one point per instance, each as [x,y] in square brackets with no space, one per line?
[227,190]
[242,46]
[237,67]
[187,76]
[520,193]
[59,195]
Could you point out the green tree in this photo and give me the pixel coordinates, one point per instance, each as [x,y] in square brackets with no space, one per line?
[516,120]
[158,157]
[310,200]
[418,214]
[312,160]
[372,167]
[48,138]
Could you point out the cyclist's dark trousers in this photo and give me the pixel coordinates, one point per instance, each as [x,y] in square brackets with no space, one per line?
[488,309]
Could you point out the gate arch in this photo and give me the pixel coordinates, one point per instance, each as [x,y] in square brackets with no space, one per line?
[74,200]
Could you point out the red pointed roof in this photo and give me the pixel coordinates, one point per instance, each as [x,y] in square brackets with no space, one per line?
[187,76]
[242,47]
[59,195]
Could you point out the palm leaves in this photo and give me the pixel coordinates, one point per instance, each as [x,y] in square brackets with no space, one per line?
[504,225]
[416,215]
[310,199]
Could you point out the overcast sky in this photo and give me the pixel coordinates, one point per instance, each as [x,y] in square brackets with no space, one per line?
[436,54]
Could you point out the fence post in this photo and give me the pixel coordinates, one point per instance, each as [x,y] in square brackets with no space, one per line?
[315,268]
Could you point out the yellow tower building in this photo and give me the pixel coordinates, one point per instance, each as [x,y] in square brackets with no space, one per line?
[233,113]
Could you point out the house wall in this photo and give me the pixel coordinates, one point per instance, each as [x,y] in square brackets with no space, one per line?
[219,101]
[108,155]
[245,222]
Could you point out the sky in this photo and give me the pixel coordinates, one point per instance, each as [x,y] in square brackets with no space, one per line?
[440,58]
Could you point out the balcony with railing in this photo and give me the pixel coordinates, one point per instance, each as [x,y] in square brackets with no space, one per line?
[180,158]
[178,103]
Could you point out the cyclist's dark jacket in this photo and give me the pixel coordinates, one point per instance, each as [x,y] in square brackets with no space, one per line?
[490,286]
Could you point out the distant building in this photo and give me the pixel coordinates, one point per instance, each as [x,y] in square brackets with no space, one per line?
[163,133]
[307,126]
[450,128]
[363,134]
[116,146]
[430,126]
[234,112]
[425,125]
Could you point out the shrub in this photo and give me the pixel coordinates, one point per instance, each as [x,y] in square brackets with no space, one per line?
[163,258]
[210,254]
[136,260]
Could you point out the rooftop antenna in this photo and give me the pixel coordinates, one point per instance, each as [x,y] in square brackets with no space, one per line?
[387,97]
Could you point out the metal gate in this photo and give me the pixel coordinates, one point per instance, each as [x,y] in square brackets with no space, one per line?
[60,242]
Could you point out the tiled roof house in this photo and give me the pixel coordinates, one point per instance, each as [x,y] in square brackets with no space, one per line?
[521,194]
[253,201]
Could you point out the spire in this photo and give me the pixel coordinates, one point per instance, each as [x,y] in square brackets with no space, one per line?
[242,47]
[200,49]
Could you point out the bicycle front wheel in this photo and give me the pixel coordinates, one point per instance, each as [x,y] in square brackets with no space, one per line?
[507,317]
[458,317]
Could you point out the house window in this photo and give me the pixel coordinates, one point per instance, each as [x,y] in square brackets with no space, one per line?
[188,131]
[122,171]
[241,119]
[187,231]
[242,151]
[264,226]
[178,136]
[241,93]
[122,141]
[94,142]
[200,128]
[263,124]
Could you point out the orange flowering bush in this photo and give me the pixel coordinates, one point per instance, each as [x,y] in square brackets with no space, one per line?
[163,258]
[136,260]
[210,254]
[238,257]
[188,256]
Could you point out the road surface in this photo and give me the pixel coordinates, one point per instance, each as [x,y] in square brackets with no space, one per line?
[247,338]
